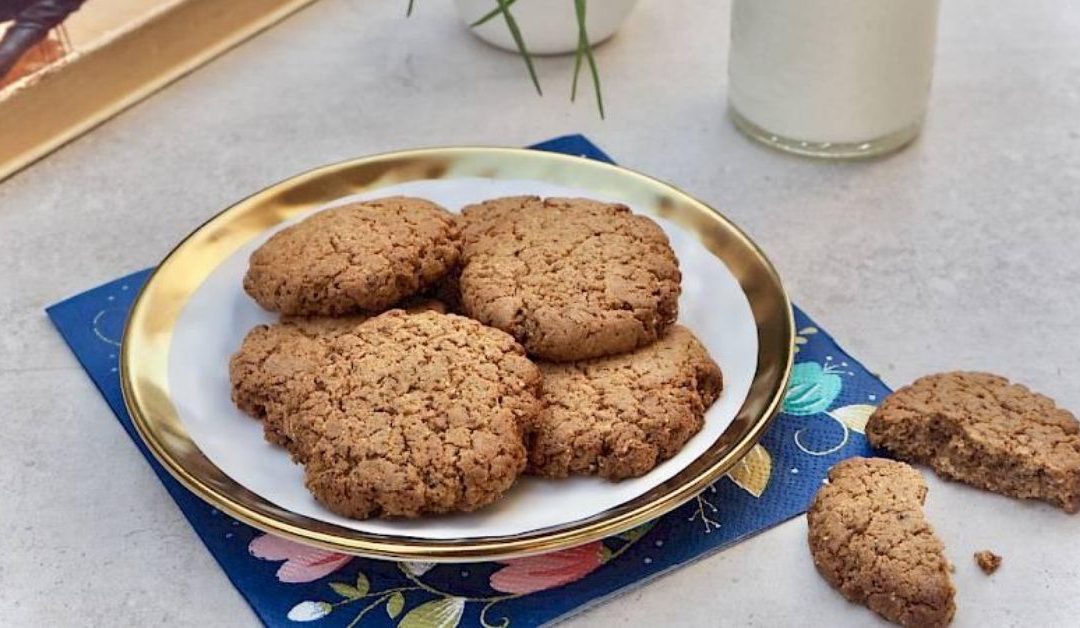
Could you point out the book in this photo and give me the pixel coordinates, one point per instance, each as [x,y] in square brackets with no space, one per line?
[68,65]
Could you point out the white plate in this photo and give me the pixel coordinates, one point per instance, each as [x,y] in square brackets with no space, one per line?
[219,314]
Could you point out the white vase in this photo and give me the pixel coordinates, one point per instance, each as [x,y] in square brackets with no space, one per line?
[549,27]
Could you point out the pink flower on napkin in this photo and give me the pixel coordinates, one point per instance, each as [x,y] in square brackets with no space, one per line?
[547,571]
[302,563]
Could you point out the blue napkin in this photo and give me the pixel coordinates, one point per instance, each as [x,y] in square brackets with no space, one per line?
[822,422]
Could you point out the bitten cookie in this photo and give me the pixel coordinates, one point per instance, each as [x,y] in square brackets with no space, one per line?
[571,279]
[276,362]
[414,414]
[983,430]
[620,416]
[870,540]
[357,257]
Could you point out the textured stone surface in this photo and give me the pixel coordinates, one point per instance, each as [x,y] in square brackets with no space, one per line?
[956,253]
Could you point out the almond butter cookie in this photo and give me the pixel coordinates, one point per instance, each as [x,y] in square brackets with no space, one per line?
[408,414]
[620,416]
[276,359]
[356,257]
[870,540]
[570,279]
[983,430]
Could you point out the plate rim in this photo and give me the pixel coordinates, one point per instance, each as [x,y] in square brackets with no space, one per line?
[163,434]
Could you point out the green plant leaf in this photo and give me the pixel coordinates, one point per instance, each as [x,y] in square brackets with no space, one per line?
[579,54]
[441,613]
[362,584]
[854,416]
[491,14]
[635,533]
[583,42]
[812,389]
[395,604]
[519,41]
[346,591]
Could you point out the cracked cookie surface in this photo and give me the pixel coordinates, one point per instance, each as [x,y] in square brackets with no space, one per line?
[870,540]
[411,414]
[281,360]
[985,431]
[571,279]
[356,257]
[620,416]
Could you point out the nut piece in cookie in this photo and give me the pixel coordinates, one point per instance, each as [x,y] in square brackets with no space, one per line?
[571,279]
[276,362]
[414,414]
[356,257]
[983,430]
[987,561]
[620,416]
[870,540]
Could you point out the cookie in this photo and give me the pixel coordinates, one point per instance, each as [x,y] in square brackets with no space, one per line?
[571,279]
[356,257]
[870,540]
[620,416]
[413,414]
[987,561]
[276,359]
[983,430]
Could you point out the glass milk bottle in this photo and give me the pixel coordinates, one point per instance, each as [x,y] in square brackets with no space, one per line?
[831,78]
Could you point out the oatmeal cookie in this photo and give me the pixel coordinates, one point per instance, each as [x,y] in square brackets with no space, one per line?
[414,414]
[620,416]
[571,279]
[356,257]
[870,540]
[276,359]
[983,430]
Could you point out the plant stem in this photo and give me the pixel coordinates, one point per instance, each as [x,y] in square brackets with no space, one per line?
[579,54]
[515,32]
[583,41]
[374,593]
[430,589]
[491,14]
[408,10]
[367,608]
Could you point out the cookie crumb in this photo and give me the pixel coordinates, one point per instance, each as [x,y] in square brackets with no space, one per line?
[988,561]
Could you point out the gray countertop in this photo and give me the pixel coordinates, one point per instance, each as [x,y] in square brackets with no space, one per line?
[959,252]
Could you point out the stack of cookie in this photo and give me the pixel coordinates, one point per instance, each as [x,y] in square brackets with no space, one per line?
[424,361]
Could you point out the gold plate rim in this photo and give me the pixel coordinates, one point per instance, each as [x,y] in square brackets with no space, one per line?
[144,351]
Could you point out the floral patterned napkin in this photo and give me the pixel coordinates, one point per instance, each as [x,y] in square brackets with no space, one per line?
[825,410]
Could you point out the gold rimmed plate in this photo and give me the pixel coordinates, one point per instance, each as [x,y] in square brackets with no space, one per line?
[192,314]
